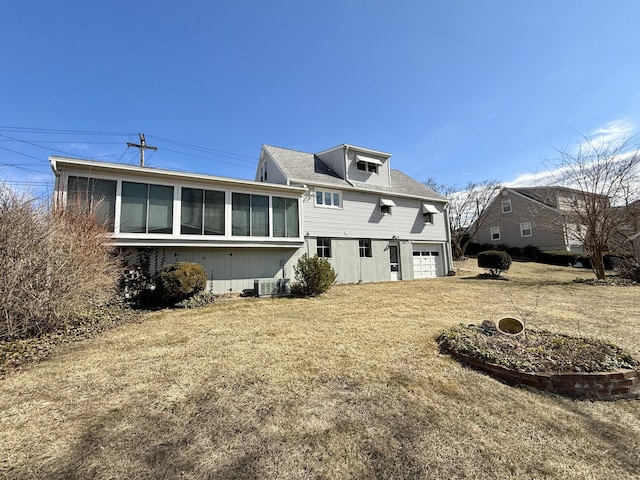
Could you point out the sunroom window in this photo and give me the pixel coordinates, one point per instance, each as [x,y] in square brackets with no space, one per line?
[93,196]
[146,208]
[249,215]
[202,212]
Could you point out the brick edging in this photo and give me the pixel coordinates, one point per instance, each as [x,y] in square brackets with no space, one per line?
[616,385]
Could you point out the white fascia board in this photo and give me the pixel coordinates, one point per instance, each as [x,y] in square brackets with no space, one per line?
[333,186]
[353,147]
[116,168]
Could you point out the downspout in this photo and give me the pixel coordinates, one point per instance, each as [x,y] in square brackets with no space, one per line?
[56,185]
[452,270]
[346,170]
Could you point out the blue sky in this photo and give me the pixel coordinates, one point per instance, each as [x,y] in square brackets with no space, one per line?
[455,90]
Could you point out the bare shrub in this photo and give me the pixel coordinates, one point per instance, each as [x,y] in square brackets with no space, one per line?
[54,265]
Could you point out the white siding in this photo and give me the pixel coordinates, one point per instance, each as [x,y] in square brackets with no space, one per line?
[360,217]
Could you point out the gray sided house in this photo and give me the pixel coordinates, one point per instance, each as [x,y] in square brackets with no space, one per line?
[538,216]
[373,223]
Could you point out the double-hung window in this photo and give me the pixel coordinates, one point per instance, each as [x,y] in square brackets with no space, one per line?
[364,245]
[146,208]
[324,247]
[328,199]
[506,206]
[525,229]
[495,233]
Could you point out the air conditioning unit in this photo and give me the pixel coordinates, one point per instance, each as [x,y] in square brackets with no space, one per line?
[271,287]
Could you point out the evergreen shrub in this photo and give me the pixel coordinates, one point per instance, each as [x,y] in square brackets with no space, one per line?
[178,281]
[494,261]
[314,275]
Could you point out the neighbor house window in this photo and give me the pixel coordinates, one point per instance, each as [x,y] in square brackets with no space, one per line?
[328,199]
[249,215]
[495,233]
[285,217]
[324,247]
[93,196]
[385,206]
[365,247]
[202,212]
[525,229]
[506,206]
[146,208]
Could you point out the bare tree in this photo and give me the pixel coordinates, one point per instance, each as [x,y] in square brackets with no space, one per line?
[468,209]
[54,265]
[605,173]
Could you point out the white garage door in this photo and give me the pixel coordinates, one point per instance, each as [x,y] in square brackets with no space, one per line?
[427,262]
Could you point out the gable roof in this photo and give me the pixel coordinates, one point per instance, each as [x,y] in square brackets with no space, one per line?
[305,167]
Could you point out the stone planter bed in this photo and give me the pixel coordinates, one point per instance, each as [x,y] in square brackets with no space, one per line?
[616,385]
[555,363]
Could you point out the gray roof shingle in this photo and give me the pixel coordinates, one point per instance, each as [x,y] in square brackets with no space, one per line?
[308,168]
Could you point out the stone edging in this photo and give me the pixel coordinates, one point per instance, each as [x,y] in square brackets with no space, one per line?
[616,385]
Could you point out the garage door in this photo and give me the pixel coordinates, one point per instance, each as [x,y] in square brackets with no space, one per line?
[427,262]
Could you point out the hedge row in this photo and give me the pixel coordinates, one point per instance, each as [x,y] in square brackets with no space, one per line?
[530,252]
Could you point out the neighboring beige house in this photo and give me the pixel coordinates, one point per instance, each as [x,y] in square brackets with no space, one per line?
[538,216]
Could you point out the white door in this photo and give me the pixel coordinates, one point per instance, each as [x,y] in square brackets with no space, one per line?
[394,263]
[427,262]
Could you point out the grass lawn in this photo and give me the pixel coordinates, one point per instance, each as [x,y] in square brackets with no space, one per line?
[348,385]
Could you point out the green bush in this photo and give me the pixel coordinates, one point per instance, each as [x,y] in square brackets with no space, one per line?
[495,261]
[178,281]
[314,275]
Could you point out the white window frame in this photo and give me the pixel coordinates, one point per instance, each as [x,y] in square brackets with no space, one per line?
[323,194]
[506,206]
[523,227]
[493,232]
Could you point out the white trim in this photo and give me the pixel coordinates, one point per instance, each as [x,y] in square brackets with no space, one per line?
[507,203]
[134,173]
[522,229]
[387,203]
[491,233]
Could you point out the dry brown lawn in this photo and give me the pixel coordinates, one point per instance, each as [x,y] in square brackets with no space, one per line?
[348,385]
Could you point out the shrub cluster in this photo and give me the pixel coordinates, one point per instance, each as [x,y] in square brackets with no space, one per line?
[54,266]
[494,261]
[314,275]
[557,257]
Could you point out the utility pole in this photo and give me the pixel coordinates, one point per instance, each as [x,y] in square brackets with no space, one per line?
[142,146]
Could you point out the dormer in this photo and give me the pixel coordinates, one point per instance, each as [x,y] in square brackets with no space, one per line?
[368,166]
[358,165]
